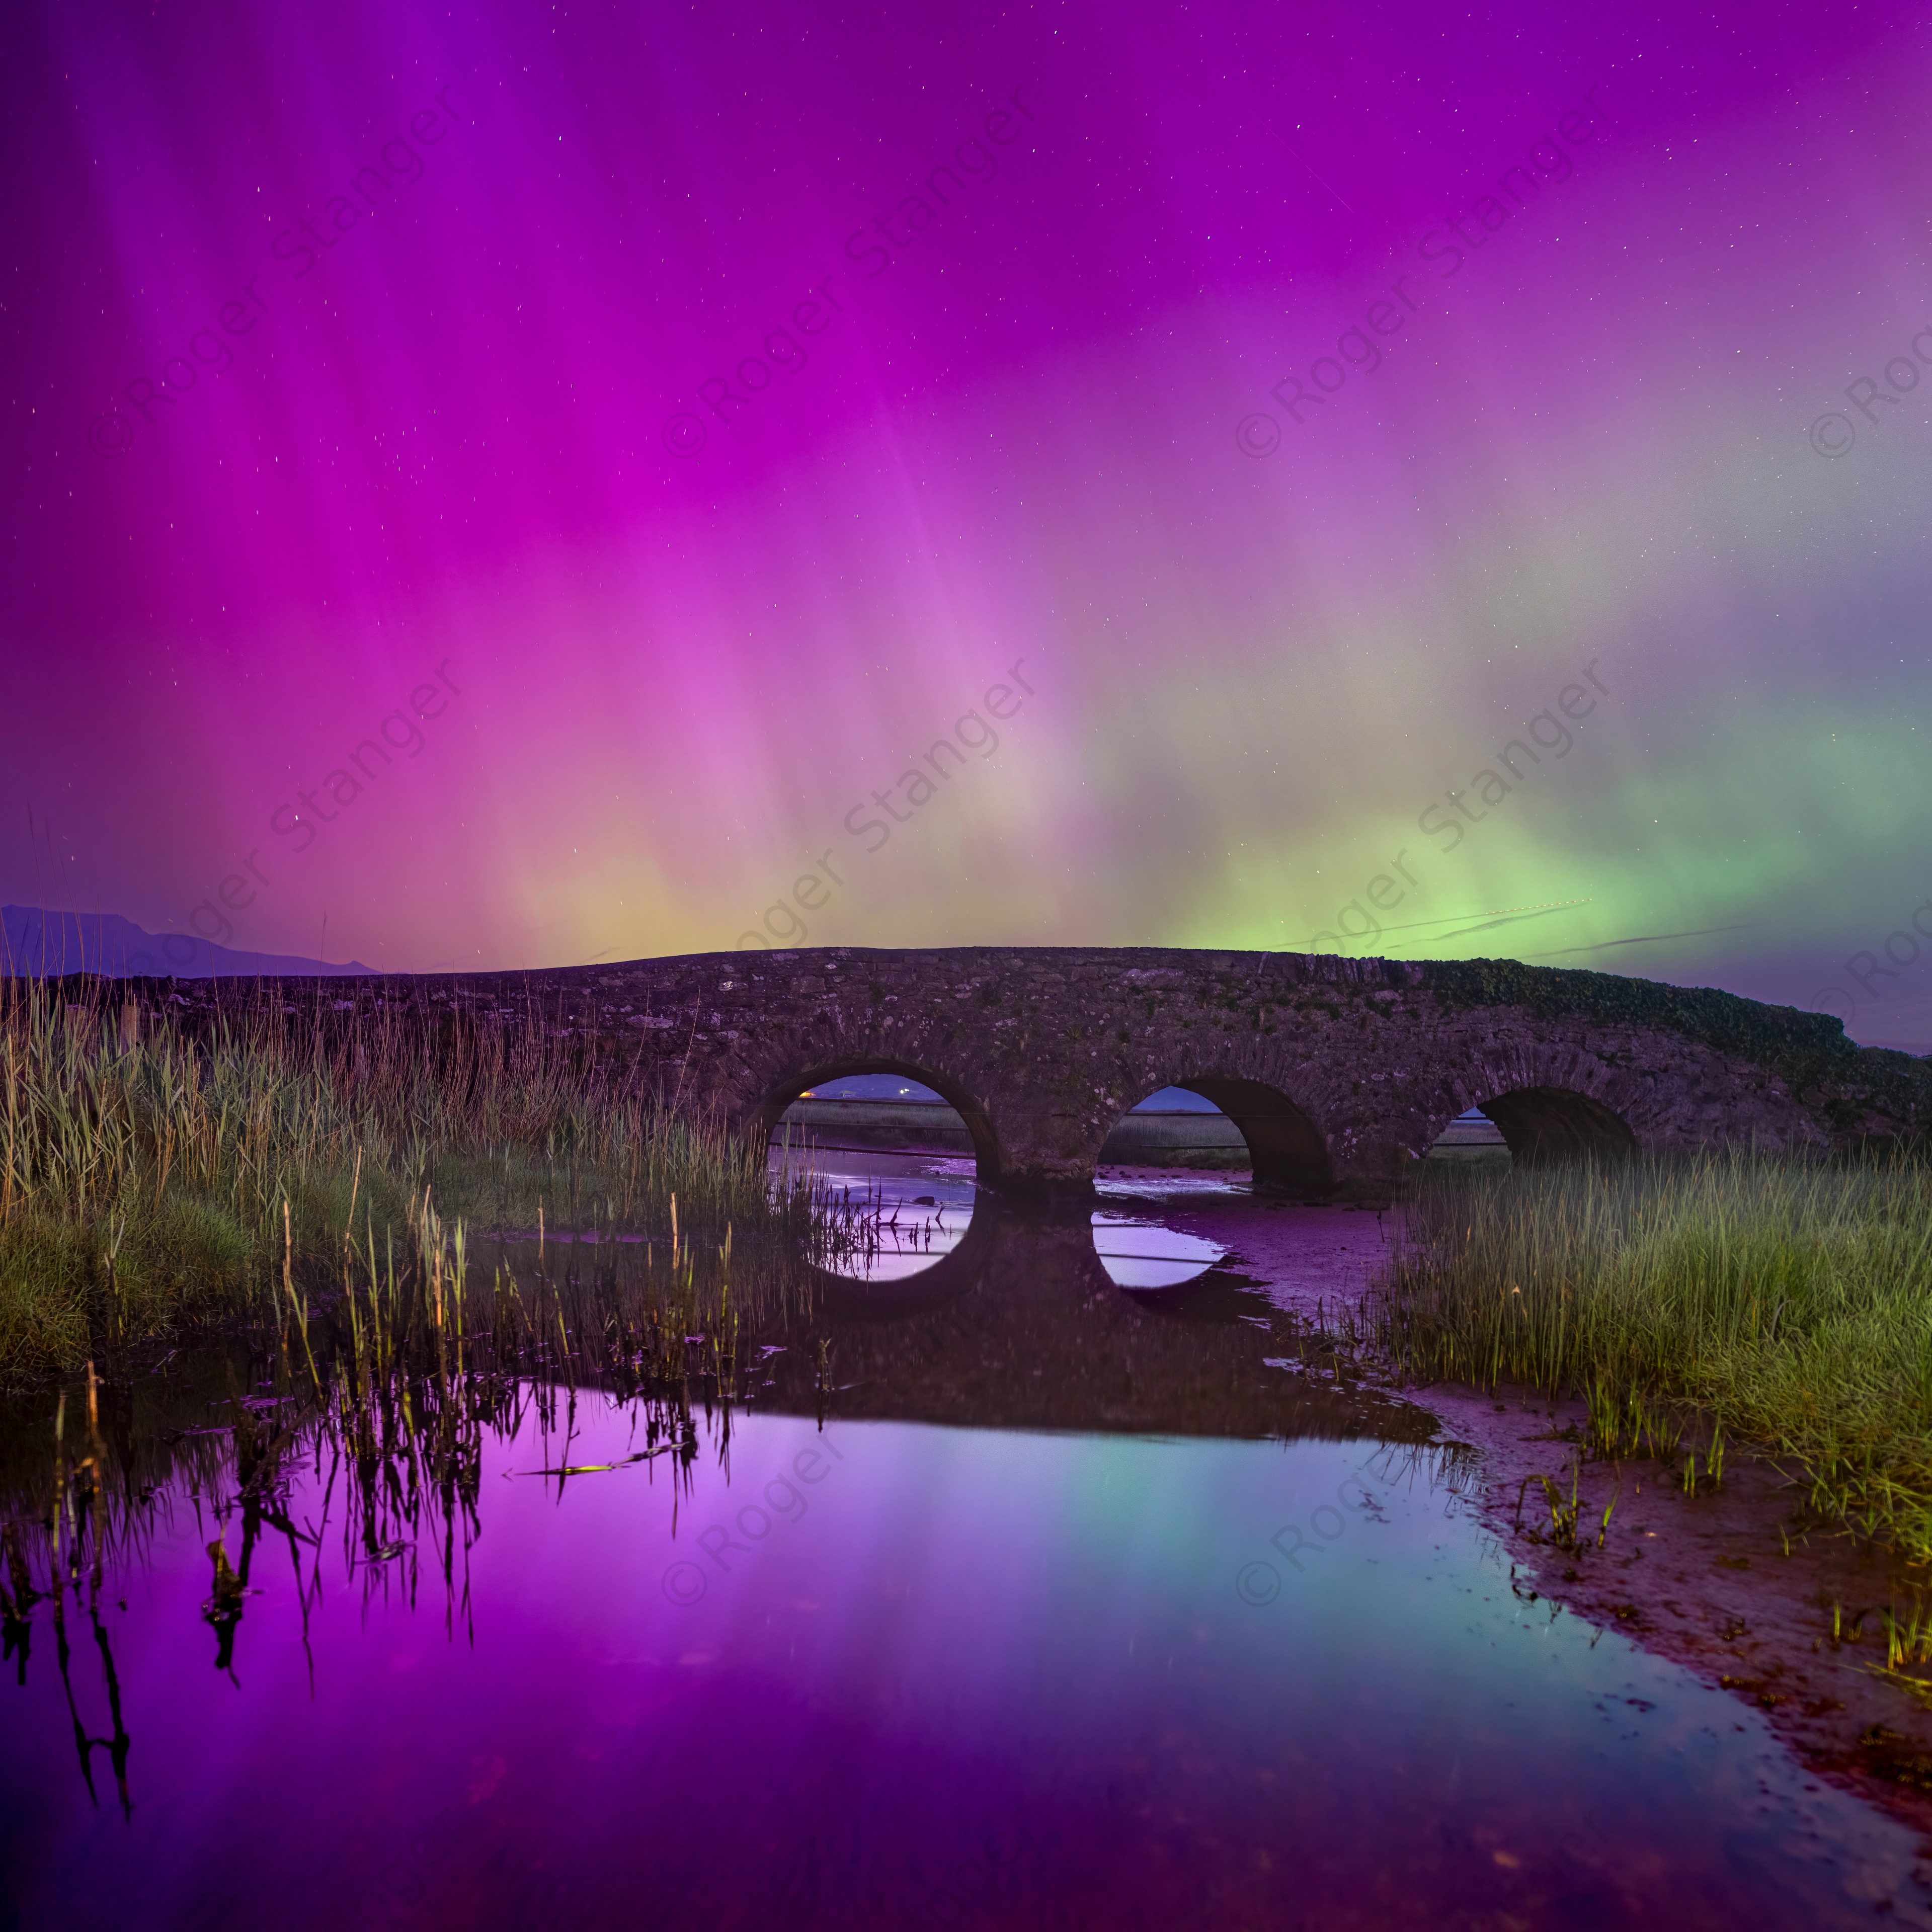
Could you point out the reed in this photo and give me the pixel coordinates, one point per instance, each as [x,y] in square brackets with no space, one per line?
[1782,1305]
[425,1356]
[147,1183]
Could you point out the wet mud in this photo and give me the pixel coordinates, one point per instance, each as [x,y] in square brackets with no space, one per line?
[1739,1584]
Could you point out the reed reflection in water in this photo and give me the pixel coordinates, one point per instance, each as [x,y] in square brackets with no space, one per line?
[970,1544]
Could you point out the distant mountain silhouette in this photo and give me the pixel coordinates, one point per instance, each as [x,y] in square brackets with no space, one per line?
[35,942]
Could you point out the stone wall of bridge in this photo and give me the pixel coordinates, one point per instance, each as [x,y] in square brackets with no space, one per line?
[1339,1072]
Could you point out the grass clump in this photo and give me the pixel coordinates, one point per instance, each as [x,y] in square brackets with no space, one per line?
[146,1183]
[1786,1304]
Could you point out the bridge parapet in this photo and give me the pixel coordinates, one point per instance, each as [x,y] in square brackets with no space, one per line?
[1340,1072]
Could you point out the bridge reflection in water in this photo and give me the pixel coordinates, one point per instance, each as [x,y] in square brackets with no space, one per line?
[996,1594]
[891,1156]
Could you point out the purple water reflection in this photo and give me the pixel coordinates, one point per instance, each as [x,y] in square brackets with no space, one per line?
[935,1676]
[1139,1252]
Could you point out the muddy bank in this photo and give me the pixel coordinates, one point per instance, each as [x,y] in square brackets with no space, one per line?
[1739,1584]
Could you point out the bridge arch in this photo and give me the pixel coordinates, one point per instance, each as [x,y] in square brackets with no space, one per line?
[1546,1124]
[1289,1152]
[762,1120]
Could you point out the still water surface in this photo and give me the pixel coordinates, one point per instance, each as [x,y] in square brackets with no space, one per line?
[1082,1606]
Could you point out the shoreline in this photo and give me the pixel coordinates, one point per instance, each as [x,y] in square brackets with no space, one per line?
[1736,1584]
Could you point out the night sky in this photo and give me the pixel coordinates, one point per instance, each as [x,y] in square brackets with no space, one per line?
[503,486]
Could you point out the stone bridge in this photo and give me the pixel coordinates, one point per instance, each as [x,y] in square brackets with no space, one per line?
[1338,1072]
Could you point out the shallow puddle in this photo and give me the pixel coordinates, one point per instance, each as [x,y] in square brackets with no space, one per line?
[1084,1605]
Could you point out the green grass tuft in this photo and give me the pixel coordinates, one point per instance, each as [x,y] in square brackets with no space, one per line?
[1787,1303]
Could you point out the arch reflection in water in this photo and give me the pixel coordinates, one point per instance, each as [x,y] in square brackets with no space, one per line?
[888,1157]
[1140,1253]
[1176,1142]
[1017,1527]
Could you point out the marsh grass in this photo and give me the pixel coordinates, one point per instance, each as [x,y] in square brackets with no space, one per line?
[147,1183]
[390,1395]
[1781,1305]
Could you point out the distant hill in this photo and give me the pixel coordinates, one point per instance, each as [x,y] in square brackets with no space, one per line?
[33,942]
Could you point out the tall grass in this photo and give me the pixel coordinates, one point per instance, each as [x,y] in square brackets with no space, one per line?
[397,1389]
[149,1182]
[1786,1304]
